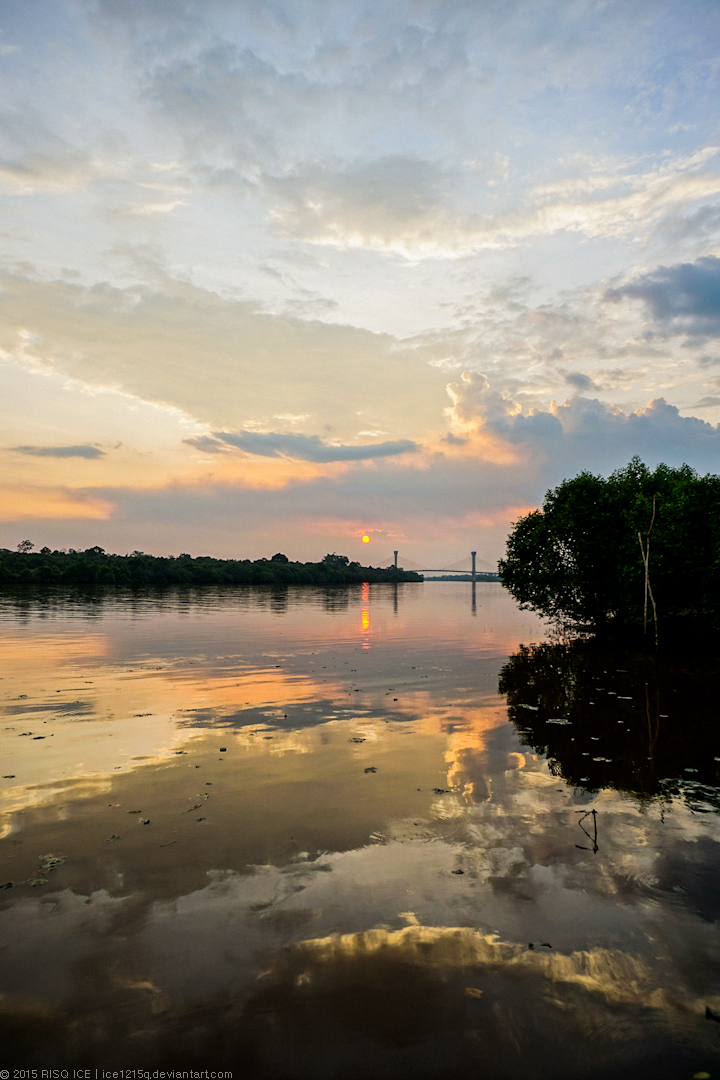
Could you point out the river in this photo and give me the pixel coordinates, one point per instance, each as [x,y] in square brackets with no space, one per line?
[388,832]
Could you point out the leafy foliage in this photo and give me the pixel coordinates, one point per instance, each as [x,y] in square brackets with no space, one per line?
[578,559]
[95,568]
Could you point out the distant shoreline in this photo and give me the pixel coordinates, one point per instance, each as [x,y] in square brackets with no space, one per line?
[95,568]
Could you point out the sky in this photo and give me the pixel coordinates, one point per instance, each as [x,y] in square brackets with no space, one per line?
[277,274]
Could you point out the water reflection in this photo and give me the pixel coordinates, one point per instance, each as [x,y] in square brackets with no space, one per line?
[238,837]
[607,718]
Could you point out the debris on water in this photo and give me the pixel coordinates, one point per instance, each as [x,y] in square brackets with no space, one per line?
[111,838]
[394,699]
[37,881]
[201,819]
[457,871]
[36,737]
[11,776]
[195,807]
[7,885]
[50,862]
[169,843]
[180,751]
[710,1014]
[559,720]
[440,791]
[223,749]
[356,740]
[134,811]
[145,821]
[534,708]
[473,992]
[371,768]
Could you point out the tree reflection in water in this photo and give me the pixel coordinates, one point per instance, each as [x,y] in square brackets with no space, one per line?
[622,718]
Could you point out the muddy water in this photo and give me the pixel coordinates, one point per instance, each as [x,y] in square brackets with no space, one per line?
[352,834]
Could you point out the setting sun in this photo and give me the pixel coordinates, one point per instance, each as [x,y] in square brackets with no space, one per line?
[366,539]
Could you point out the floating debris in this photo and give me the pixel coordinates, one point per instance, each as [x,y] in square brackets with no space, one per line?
[145,821]
[473,992]
[559,720]
[440,791]
[7,885]
[371,768]
[356,739]
[50,862]
[457,871]
[111,838]
[223,749]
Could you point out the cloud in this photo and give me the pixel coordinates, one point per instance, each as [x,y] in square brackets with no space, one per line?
[81,451]
[33,157]
[582,433]
[684,299]
[580,381]
[417,208]
[311,447]
[225,362]
[396,200]
[207,444]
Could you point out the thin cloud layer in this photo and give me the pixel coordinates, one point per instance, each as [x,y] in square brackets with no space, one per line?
[307,447]
[89,452]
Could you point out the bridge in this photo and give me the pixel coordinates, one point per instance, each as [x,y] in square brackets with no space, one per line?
[468,565]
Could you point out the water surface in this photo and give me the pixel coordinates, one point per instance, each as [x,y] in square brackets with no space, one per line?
[352,833]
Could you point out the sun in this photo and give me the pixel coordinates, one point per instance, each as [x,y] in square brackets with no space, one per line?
[366,539]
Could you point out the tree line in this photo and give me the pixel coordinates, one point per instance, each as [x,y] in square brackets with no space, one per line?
[95,568]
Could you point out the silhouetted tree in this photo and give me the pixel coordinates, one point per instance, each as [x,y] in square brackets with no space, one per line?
[578,558]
